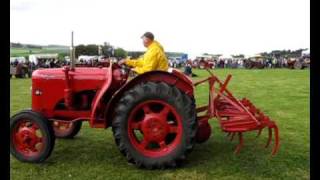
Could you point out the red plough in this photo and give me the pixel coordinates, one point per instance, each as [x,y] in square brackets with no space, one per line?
[235,116]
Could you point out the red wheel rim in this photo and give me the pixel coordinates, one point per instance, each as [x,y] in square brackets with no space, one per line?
[27,138]
[62,128]
[155,128]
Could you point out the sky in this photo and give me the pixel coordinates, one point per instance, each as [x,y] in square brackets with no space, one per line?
[190,26]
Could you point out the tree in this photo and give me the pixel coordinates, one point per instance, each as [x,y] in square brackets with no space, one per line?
[174,54]
[238,56]
[283,53]
[107,50]
[92,49]
[16,45]
[62,55]
[80,50]
[120,53]
[134,54]
[89,50]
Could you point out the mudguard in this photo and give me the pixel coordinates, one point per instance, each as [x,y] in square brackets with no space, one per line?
[94,122]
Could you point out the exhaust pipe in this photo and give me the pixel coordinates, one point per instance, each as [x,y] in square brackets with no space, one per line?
[68,94]
[72,53]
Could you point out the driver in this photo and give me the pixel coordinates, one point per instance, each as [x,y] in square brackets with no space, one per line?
[153,59]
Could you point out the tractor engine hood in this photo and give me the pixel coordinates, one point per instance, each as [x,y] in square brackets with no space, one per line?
[49,85]
[80,73]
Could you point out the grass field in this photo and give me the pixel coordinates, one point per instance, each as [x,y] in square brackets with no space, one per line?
[282,94]
[16,52]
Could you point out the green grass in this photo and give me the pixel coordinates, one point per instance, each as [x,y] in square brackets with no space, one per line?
[282,94]
[16,52]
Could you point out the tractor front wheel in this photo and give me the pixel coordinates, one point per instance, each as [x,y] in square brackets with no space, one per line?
[31,137]
[66,130]
[155,125]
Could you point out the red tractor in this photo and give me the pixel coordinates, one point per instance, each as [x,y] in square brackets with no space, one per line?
[206,64]
[153,116]
[298,63]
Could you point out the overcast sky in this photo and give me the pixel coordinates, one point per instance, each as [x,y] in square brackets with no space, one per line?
[191,26]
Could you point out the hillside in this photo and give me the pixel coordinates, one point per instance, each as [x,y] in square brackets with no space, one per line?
[15,52]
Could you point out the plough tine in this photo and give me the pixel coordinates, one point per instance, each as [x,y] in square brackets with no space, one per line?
[232,136]
[269,137]
[238,116]
[259,133]
[276,140]
[239,146]
[229,133]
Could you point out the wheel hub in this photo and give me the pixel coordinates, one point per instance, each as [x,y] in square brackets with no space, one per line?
[154,128]
[155,120]
[27,137]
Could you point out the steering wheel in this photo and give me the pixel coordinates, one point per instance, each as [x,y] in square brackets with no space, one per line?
[126,70]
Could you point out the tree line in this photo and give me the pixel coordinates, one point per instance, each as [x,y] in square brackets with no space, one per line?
[105,50]
[110,51]
[283,53]
[19,45]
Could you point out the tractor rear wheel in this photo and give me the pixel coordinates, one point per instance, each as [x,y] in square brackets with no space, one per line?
[31,137]
[66,130]
[155,125]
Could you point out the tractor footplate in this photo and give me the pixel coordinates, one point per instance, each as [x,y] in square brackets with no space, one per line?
[236,116]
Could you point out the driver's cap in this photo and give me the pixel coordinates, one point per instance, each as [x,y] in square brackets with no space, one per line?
[148,35]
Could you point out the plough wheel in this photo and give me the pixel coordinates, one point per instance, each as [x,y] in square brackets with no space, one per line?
[31,137]
[204,132]
[66,129]
[155,125]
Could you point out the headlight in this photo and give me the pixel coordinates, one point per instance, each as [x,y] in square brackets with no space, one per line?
[38,92]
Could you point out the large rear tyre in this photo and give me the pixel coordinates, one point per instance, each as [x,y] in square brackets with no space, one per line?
[66,130]
[155,125]
[31,137]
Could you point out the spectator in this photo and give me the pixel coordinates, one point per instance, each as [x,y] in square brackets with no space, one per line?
[274,62]
[188,70]
[239,63]
[47,64]
[15,62]
[19,70]
[221,63]
[51,64]
[284,63]
[269,63]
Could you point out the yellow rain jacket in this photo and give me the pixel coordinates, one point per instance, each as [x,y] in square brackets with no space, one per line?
[153,59]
